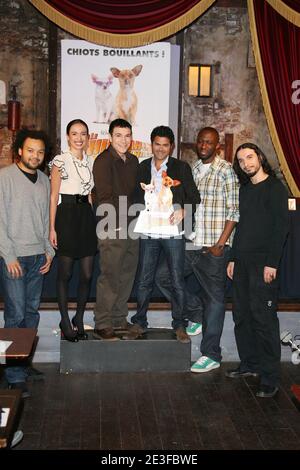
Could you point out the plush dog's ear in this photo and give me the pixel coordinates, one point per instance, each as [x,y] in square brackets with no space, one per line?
[143,186]
[176,183]
[137,70]
[115,72]
[94,78]
[164,174]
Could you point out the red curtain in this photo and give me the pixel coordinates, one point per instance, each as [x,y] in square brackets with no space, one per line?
[122,16]
[279,44]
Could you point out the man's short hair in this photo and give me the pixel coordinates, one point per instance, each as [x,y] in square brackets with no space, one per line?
[25,133]
[163,131]
[212,130]
[119,123]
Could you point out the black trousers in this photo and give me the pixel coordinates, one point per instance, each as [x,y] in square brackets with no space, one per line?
[256,322]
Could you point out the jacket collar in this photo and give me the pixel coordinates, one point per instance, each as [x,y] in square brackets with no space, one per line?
[115,154]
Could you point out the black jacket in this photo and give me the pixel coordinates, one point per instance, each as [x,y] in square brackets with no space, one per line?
[184,194]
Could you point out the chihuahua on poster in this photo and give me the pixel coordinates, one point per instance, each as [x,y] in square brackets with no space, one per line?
[126,101]
[103,99]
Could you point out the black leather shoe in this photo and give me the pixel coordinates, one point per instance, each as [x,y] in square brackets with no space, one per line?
[67,331]
[266,391]
[20,386]
[34,375]
[237,373]
[79,327]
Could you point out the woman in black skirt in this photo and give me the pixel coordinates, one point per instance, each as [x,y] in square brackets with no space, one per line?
[72,224]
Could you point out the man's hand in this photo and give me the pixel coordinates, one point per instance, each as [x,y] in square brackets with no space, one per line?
[269,274]
[177,216]
[14,269]
[45,268]
[216,250]
[230,269]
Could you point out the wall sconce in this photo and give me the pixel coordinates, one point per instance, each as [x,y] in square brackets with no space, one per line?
[14,111]
[200,80]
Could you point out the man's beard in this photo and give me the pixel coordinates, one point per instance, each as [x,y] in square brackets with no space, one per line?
[30,166]
[254,172]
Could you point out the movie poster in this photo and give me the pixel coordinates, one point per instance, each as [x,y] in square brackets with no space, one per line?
[99,84]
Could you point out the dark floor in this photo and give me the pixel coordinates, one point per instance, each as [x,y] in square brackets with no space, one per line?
[174,411]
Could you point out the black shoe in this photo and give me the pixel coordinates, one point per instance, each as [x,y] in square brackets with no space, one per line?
[266,391]
[237,373]
[20,386]
[67,331]
[80,329]
[34,375]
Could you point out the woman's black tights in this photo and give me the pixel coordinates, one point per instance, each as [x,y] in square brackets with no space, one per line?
[64,274]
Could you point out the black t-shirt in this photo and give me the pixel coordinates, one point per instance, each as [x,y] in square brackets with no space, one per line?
[263,224]
[31,176]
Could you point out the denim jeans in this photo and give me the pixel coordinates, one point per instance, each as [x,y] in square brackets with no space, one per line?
[207,304]
[150,250]
[21,302]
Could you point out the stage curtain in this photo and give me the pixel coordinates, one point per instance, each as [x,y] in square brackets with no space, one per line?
[122,23]
[276,44]
[289,9]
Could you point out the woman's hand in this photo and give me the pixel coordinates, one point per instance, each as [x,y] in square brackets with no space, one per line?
[53,238]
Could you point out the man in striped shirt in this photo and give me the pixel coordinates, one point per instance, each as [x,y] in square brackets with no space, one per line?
[207,256]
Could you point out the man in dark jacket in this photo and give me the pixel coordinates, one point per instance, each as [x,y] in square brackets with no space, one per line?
[185,199]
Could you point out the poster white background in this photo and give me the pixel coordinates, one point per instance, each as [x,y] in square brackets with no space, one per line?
[81,60]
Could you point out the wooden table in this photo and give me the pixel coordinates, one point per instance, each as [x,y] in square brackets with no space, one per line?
[22,341]
[9,399]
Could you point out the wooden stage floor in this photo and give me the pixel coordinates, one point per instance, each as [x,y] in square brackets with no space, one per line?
[174,411]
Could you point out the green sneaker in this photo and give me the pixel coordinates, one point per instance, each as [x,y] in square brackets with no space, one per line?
[194,329]
[204,364]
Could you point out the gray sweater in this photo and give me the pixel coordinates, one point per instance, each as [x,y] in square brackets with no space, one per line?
[24,214]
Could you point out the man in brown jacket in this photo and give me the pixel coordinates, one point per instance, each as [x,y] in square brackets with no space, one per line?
[115,173]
